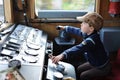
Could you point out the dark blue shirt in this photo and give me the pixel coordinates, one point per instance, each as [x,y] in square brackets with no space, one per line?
[91,47]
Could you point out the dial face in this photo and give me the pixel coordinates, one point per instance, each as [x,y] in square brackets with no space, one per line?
[33,46]
[31,52]
[29,59]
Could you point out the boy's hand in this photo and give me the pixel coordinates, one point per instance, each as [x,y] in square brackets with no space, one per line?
[56,59]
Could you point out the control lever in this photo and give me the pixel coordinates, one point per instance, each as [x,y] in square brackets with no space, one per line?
[5,32]
[60,27]
[63,35]
[6,55]
[12,49]
[13,45]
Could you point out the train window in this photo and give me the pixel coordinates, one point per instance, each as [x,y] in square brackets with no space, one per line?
[1,11]
[63,8]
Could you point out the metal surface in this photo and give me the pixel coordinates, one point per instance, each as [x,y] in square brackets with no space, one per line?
[68,72]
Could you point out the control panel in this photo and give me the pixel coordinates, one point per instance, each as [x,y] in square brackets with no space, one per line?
[26,44]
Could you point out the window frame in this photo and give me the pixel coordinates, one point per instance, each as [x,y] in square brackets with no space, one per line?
[8,11]
[60,13]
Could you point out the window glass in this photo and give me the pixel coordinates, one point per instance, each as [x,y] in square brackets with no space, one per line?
[83,5]
[1,11]
[63,9]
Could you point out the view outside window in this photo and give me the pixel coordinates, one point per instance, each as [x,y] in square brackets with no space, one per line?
[1,11]
[82,5]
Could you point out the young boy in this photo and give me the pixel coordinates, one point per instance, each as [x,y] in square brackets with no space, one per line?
[97,58]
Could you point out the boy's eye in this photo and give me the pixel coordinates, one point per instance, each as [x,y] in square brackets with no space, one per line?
[84,23]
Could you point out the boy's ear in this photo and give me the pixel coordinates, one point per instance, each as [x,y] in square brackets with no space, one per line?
[92,28]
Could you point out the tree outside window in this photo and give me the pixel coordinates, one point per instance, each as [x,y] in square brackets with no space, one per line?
[1,11]
[83,5]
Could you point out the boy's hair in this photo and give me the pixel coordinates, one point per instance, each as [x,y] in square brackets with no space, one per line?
[93,19]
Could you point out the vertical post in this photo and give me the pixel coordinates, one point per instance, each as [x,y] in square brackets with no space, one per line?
[24,12]
[97,7]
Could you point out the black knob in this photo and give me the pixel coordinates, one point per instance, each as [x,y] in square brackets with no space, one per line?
[58,27]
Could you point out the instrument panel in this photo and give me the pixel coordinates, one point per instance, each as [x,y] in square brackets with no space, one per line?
[26,44]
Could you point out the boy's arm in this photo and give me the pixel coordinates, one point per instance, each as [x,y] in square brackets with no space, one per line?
[84,46]
[73,30]
[70,29]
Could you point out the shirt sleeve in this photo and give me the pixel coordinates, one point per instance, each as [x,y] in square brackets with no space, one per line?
[73,30]
[84,46]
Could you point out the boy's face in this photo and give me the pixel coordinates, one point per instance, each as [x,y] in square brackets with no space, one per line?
[86,28]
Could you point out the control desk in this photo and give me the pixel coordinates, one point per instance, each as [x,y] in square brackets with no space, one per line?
[27,45]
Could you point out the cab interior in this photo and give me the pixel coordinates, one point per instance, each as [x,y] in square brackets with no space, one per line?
[17,13]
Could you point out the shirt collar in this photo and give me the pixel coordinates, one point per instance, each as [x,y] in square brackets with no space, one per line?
[86,36]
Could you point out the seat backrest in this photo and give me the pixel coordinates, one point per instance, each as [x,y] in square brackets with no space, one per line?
[118,56]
